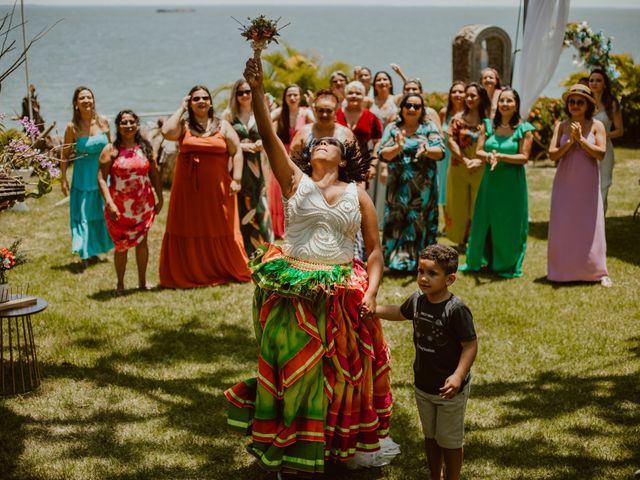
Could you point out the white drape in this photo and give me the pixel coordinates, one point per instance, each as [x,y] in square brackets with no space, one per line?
[541,48]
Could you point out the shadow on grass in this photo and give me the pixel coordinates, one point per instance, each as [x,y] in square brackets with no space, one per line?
[552,396]
[545,281]
[109,294]
[188,403]
[483,276]
[73,267]
[12,446]
[623,237]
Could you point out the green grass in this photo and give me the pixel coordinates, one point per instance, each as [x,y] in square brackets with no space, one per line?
[133,385]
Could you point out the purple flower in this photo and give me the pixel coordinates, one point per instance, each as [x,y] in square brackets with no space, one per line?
[18,146]
[30,127]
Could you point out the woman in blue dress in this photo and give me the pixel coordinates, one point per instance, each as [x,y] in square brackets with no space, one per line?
[88,132]
[410,146]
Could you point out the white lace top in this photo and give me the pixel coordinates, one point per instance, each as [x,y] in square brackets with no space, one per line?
[318,232]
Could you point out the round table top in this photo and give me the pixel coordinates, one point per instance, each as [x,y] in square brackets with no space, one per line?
[37,307]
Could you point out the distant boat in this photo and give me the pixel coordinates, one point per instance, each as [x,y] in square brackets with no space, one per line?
[175,10]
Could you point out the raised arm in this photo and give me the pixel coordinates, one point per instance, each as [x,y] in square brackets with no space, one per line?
[172,127]
[286,172]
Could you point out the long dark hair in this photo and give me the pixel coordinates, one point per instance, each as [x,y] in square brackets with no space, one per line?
[144,144]
[356,168]
[515,119]
[423,118]
[283,126]
[191,119]
[485,102]
[375,77]
[608,100]
[449,102]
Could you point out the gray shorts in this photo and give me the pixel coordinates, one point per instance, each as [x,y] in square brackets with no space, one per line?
[442,419]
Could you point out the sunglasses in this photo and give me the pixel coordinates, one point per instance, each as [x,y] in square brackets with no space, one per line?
[322,111]
[412,106]
[197,99]
[242,93]
[578,103]
[124,123]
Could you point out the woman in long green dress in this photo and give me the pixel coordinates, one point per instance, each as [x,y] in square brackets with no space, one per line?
[499,229]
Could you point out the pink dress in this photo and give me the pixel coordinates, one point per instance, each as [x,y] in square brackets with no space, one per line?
[577,248]
[130,188]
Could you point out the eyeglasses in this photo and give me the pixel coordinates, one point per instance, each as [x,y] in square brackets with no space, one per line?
[242,93]
[323,111]
[412,106]
[577,103]
[124,123]
[198,99]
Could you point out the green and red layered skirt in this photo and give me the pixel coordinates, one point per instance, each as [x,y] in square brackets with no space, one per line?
[322,391]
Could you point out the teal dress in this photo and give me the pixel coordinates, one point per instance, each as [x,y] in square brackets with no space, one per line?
[500,225]
[89,234]
[443,166]
[411,206]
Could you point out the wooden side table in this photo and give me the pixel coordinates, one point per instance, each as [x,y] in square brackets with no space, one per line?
[19,369]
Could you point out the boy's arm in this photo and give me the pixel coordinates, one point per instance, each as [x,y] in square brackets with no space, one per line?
[390,312]
[453,382]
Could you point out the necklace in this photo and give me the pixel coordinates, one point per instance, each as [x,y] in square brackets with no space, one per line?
[502,125]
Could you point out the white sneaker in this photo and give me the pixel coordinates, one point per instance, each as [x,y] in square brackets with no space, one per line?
[606,282]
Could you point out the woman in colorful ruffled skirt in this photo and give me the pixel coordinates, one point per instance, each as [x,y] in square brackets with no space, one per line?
[322,390]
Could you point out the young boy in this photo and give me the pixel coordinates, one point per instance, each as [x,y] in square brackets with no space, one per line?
[446,346]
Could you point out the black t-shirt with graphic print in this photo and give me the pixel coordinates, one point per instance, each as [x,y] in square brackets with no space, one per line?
[438,329]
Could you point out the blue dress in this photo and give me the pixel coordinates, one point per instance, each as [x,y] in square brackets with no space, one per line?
[89,234]
[411,206]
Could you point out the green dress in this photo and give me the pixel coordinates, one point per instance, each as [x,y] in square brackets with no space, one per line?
[500,225]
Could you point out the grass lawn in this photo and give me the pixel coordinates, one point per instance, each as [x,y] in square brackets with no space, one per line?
[133,385]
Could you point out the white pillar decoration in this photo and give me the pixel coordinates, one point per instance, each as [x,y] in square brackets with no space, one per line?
[542,45]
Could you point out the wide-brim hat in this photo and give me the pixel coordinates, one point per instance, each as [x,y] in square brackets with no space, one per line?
[581,91]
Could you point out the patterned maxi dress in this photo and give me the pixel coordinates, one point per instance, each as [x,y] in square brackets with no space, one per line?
[253,205]
[500,224]
[131,190]
[89,234]
[462,186]
[411,207]
[322,390]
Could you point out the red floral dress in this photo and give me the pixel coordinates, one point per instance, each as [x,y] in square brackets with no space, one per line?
[131,190]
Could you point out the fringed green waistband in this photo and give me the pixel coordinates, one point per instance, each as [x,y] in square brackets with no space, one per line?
[273,271]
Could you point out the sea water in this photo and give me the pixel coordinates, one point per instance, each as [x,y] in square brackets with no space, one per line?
[138,58]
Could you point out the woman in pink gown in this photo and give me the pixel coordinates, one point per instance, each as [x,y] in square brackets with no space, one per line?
[577,246]
[288,119]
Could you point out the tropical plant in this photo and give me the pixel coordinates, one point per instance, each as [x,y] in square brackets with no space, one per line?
[624,88]
[543,116]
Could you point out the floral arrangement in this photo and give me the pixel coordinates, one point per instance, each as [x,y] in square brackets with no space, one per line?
[593,48]
[10,258]
[18,151]
[261,31]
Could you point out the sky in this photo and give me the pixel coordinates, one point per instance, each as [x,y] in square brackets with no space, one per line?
[448,3]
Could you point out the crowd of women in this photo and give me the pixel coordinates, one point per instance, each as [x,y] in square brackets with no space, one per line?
[323,389]
[467,160]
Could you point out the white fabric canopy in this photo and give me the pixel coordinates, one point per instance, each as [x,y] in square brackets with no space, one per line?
[542,45]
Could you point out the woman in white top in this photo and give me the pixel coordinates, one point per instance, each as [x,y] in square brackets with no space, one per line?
[322,383]
[609,113]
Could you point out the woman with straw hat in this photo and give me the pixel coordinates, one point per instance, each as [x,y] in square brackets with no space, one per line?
[577,246]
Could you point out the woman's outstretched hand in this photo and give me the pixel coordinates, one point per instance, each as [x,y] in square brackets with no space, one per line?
[253,72]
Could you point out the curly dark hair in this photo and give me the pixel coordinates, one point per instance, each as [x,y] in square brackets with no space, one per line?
[356,169]
[445,256]
[144,144]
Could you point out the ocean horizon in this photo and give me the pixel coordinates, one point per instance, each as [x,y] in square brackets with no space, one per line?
[134,57]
